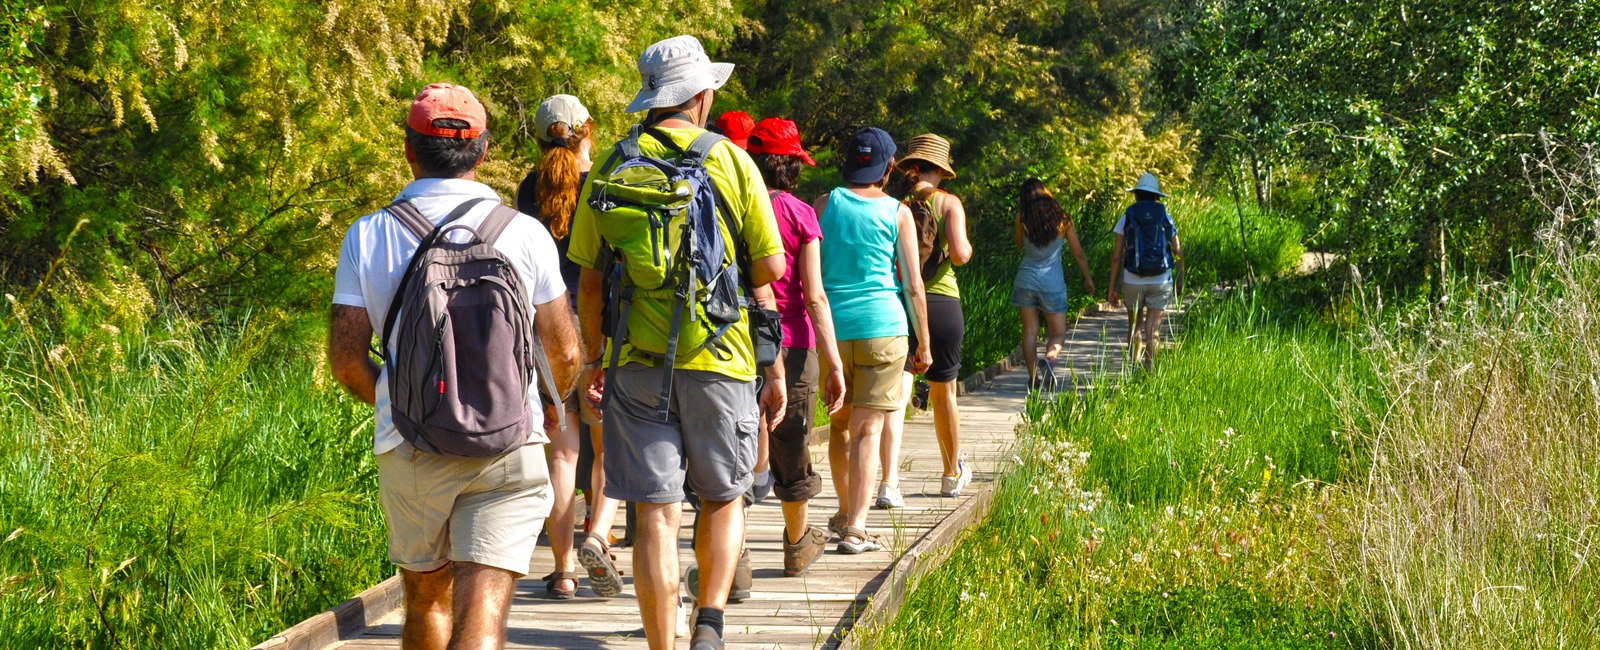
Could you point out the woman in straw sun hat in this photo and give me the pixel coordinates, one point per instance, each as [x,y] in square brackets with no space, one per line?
[927,163]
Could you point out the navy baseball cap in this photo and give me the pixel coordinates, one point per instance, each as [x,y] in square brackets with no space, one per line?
[867,156]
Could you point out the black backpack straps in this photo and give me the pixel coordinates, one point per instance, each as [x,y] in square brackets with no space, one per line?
[408,214]
[405,279]
[495,224]
[629,146]
[700,149]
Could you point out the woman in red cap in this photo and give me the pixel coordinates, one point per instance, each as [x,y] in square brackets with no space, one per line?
[807,332]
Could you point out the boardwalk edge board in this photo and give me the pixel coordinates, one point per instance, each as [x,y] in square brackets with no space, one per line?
[343,621]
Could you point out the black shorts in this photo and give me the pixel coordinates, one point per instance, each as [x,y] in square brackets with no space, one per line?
[946,328]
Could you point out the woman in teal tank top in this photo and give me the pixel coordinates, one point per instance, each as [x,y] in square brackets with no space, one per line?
[864,232]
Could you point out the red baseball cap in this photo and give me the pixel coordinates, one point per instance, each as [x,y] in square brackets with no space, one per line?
[736,126]
[447,101]
[776,135]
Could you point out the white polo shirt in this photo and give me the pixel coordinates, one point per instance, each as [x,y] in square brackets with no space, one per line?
[378,246]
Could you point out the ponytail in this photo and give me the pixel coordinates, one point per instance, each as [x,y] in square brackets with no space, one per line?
[558,176]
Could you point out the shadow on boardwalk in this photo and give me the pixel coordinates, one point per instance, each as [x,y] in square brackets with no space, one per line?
[814,610]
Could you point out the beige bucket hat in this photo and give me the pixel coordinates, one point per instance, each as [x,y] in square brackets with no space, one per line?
[932,149]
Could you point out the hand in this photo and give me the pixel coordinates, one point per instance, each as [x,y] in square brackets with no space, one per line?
[774,401]
[1088,286]
[834,390]
[552,418]
[594,389]
[923,361]
[1114,299]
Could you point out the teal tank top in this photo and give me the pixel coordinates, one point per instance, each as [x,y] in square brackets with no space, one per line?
[858,256]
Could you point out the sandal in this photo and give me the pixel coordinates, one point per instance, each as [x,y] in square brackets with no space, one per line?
[604,578]
[555,578]
[868,543]
[837,524]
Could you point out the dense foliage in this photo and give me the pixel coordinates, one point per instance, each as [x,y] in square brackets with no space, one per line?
[1399,128]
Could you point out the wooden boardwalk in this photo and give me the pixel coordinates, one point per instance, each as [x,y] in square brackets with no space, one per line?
[817,609]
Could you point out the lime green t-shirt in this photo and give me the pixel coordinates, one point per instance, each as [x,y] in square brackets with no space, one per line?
[741,186]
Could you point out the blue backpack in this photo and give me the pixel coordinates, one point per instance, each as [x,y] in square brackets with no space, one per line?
[1146,235]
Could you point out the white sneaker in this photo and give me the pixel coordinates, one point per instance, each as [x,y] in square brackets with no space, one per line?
[888,497]
[951,486]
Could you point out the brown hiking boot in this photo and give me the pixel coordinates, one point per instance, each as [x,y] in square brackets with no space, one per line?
[743,579]
[797,557]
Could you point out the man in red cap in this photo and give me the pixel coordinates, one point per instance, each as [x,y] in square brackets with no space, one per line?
[736,127]
[461,529]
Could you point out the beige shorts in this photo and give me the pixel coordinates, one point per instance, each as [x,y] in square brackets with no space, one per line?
[872,370]
[482,510]
[1154,296]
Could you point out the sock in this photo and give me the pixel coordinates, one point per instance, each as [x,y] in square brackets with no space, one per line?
[711,617]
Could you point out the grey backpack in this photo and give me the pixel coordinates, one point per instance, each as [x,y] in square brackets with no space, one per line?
[464,349]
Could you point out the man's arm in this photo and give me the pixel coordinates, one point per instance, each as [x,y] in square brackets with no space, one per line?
[553,322]
[349,336]
[590,310]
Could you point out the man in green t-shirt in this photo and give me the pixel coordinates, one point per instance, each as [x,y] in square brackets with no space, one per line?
[709,440]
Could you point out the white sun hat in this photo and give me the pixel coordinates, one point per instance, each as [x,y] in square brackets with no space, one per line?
[674,70]
[1147,183]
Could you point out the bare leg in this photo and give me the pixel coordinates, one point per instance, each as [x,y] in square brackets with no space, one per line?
[1134,338]
[1056,327]
[719,540]
[946,423]
[1152,335]
[482,601]
[839,452]
[602,509]
[795,519]
[427,624]
[894,427]
[561,455]
[865,427]
[655,572]
[1030,339]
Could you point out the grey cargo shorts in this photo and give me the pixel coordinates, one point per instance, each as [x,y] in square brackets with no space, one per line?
[709,437]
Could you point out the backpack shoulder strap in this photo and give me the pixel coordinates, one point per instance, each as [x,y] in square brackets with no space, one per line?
[408,214]
[629,146]
[495,224]
[701,148]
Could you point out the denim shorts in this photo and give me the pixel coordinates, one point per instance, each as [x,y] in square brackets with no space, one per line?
[1052,302]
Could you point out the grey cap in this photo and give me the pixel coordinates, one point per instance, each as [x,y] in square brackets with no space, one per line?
[673,71]
[559,108]
[1147,183]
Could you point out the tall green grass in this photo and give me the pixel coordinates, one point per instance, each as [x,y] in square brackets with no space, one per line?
[184,489]
[1184,512]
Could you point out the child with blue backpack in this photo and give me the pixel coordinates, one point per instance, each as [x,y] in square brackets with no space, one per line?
[1142,260]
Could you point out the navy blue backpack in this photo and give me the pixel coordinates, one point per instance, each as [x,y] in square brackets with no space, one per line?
[1147,234]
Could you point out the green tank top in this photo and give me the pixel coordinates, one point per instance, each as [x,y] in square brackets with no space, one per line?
[944,279]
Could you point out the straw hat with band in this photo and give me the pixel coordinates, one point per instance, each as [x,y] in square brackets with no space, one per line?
[931,149]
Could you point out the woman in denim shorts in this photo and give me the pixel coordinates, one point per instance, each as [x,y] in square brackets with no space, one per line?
[1041,286]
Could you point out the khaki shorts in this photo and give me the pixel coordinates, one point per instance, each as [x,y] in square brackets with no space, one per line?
[872,370]
[483,510]
[1154,296]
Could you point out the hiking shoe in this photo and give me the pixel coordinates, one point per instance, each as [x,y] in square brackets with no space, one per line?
[951,486]
[1047,377]
[743,579]
[797,557]
[690,609]
[686,611]
[867,542]
[706,638]
[888,497]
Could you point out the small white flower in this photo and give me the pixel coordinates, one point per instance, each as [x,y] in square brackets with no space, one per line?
[965,596]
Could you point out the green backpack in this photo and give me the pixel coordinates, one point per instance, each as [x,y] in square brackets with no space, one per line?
[661,222]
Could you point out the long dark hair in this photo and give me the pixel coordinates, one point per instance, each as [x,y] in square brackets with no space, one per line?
[1042,217]
[558,175]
